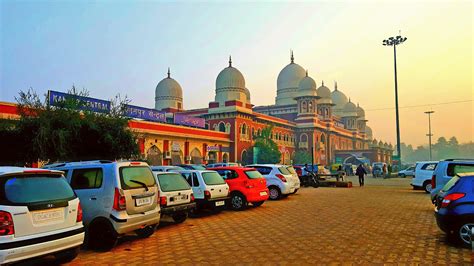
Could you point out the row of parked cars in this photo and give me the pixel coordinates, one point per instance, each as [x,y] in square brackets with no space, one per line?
[56,209]
[450,184]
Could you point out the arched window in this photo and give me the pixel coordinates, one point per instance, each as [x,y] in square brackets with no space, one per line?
[227,127]
[244,129]
[310,106]
[304,107]
[259,132]
[326,111]
[221,127]
[304,138]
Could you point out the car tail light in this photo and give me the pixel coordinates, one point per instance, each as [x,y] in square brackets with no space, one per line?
[6,224]
[450,198]
[281,177]
[207,194]
[79,213]
[135,163]
[247,184]
[119,201]
[192,196]
[163,201]
[433,182]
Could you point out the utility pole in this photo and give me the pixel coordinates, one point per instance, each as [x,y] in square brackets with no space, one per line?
[429,126]
[394,41]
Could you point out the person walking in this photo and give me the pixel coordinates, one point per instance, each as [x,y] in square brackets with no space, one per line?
[360,172]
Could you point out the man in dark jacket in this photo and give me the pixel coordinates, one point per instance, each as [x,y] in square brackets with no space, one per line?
[361,172]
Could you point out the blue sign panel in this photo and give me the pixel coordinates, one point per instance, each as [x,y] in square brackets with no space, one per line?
[56,98]
[145,113]
[186,120]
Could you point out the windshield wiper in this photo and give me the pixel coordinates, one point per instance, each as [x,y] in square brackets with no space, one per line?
[140,183]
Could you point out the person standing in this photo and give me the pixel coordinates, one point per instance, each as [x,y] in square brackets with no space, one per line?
[360,172]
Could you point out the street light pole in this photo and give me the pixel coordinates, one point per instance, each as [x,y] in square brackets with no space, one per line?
[429,126]
[394,41]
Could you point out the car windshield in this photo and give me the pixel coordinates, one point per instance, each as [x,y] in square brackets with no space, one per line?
[212,178]
[283,170]
[32,189]
[172,182]
[132,177]
[453,181]
[253,174]
[291,169]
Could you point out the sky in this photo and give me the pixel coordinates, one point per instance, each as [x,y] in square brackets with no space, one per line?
[125,47]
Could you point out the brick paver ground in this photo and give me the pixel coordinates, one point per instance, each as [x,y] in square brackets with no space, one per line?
[383,222]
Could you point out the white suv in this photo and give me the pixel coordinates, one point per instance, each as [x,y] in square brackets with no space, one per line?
[117,198]
[39,215]
[423,173]
[280,181]
[209,188]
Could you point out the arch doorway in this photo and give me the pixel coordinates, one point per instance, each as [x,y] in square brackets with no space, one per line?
[225,158]
[154,156]
[177,157]
[212,157]
[196,157]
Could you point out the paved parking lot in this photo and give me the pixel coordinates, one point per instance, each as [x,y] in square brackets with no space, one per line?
[383,222]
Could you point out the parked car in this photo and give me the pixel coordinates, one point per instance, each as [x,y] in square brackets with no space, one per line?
[212,165]
[280,181]
[410,171]
[192,166]
[446,169]
[377,169]
[117,198]
[296,178]
[176,196]
[423,174]
[455,207]
[39,215]
[166,168]
[209,188]
[246,185]
[299,170]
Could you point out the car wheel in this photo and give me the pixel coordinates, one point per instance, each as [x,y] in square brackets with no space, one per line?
[296,190]
[179,217]
[258,203]
[102,236]
[427,186]
[238,202]
[146,232]
[274,193]
[67,255]
[403,175]
[464,233]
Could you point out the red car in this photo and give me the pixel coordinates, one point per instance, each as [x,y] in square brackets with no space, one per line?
[245,184]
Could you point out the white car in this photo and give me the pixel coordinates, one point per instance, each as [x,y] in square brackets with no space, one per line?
[280,181]
[410,171]
[209,188]
[176,196]
[212,165]
[166,168]
[39,215]
[423,174]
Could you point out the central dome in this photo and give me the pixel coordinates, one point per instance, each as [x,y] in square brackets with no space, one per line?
[230,85]
[168,94]
[288,82]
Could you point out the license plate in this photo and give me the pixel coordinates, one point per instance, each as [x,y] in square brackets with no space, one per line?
[263,193]
[48,216]
[220,203]
[182,197]
[142,201]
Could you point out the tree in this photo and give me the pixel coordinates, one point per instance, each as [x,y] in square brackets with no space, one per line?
[302,157]
[71,132]
[267,149]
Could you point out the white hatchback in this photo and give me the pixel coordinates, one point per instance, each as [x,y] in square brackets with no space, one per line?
[209,188]
[280,181]
[39,215]
[423,174]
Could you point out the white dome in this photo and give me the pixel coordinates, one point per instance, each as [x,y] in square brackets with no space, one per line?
[168,94]
[350,109]
[230,85]
[247,93]
[288,81]
[307,87]
[325,94]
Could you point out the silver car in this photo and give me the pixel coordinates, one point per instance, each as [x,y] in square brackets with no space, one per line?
[117,198]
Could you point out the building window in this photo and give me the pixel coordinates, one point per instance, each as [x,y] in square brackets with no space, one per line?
[221,127]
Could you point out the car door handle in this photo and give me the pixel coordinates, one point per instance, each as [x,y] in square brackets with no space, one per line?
[93,198]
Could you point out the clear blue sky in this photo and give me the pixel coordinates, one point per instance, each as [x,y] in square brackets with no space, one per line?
[125,47]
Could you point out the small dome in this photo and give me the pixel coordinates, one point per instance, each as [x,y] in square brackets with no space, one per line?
[350,109]
[247,93]
[380,143]
[324,92]
[168,94]
[338,98]
[360,112]
[368,132]
[307,87]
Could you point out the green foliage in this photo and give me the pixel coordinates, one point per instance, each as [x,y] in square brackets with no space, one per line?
[302,157]
[267,149]
[66,133]
[442,149]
